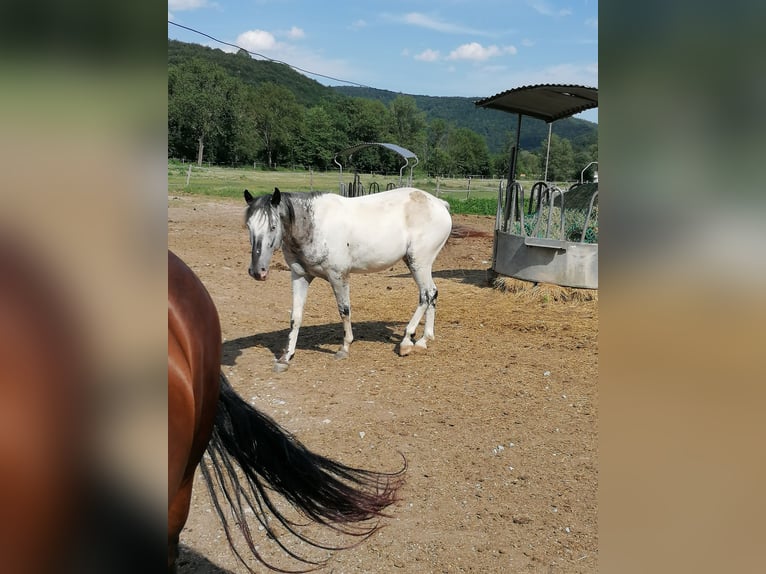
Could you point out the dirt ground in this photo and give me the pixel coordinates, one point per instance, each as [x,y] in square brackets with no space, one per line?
[497,420]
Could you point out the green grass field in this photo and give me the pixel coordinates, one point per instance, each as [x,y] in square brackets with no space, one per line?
[480,198]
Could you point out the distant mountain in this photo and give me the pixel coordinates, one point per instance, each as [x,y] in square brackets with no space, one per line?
[495,126]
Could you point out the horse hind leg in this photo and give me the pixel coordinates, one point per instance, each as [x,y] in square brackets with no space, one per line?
[178,512]
[430,296]
[340,288]
[428,334]
[426,306]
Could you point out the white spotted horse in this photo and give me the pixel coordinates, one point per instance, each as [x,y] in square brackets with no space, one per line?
[329,236]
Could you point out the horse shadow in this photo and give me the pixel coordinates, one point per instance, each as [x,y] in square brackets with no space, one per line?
[190,562]
[321,338]
[478,277]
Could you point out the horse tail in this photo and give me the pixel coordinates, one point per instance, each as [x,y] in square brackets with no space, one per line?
[326,491]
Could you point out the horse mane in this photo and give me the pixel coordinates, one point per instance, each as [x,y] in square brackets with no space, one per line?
[259,203]
[289,199]
[263,202]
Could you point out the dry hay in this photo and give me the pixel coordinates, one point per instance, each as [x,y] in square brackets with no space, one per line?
[542,291]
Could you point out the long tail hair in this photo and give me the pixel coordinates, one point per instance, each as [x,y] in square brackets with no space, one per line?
[326,491]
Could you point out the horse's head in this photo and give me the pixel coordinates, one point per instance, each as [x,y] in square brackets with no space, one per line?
[265,229]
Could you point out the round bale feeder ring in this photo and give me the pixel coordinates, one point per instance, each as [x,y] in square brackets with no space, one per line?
[556,241]
[355,188]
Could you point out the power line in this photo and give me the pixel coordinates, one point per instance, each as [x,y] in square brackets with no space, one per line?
[267,58]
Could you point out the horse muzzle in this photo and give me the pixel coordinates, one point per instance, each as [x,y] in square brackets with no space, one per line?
[258,275]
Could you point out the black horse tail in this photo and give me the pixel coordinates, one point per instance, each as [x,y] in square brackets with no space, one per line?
[326,491]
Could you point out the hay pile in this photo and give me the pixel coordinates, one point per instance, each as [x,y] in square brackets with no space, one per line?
[542,291]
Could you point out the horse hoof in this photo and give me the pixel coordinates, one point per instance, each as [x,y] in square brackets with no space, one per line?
[420,345]
[405,350]
[341,355]
[280,367]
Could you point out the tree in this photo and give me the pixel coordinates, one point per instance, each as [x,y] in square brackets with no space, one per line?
[272,116]
[468,153]
[561,164]
[407,123]
[361,120]
[317,142]
[435,157]
[528,165]
[367,121]
[583,157]
[202,97]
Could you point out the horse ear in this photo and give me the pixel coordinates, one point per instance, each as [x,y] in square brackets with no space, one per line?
[248,196]
[276,197]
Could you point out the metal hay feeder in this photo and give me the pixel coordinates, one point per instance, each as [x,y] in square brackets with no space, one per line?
[557,240]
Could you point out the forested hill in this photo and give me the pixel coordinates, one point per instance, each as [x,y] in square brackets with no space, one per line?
[308,92]
[493,125]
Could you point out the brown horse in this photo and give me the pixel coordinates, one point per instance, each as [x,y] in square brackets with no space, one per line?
[206,414]
[42,415]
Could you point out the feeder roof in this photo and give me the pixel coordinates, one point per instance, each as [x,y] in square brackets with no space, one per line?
[405,153]
[549,102]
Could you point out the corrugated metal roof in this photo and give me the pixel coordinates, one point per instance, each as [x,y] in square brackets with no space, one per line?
[548,102]
[404,152]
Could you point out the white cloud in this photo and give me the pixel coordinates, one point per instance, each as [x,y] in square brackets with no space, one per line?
[266,44]
[417,19]
[428,55]
[592,23]
[544,8]
[359,24]
[527,43]
[170,16]
[223,47]
[181,5]
[256,40]
[296,33]
[478,53]
[424,21]
[490,78]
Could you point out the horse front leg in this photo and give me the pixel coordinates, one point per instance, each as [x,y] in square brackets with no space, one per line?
[300,289]
[340,287]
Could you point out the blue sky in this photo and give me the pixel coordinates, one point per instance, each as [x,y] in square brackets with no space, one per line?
[427,47]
